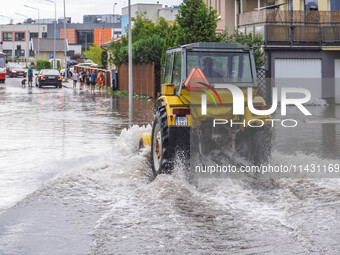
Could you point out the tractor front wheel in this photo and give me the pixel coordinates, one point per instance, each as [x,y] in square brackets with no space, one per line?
[161,161]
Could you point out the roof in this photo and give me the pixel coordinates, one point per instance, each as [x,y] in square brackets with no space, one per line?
[105,44]
[47,44]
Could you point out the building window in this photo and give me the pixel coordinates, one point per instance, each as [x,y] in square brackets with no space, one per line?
[7,36]
[70,53]
[19,53]
[335,5]
[31,53]
[8,53]
[85,38]
[33,35]
[20,36]
[290,5]
[44,35]
[311,5]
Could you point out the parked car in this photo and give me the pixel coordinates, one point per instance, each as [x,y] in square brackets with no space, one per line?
[15,70]
[48,77]
[88,64]
[70,72]
[72,62]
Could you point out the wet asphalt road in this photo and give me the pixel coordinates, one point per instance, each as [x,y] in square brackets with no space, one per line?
[73,182]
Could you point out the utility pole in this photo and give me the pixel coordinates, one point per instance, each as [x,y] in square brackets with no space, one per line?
[66,74]
[55,30]
[113,19]
[130,68]
[27,37]
[38,27]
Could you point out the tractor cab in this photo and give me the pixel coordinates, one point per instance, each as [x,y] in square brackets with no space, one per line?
[221,63]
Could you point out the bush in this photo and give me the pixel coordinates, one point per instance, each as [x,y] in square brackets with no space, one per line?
[43,64]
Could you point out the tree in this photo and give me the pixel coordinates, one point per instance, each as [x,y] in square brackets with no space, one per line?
[104,58]
[148,41]
[196,22]
[94,53]
[252,41]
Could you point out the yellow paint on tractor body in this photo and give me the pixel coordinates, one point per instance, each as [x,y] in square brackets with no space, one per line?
[146,139]
[192,100]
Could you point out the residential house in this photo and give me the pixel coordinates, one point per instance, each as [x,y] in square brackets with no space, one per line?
[46,48]
[301,38]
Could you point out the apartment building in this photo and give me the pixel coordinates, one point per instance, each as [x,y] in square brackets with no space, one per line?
[150,11]
[301,38]
[96,29]
[15,38]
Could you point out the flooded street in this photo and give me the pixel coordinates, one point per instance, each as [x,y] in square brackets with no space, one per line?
[72,182]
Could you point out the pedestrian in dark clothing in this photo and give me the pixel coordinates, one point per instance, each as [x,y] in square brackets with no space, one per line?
[88,80]
[30,76]
[93,80]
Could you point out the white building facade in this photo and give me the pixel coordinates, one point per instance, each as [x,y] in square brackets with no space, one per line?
[15,38]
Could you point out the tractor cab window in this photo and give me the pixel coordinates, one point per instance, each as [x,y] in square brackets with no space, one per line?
[222,67]
[168,67]
[176,73]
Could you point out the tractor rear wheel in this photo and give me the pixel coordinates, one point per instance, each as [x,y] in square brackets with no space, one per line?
[161,160]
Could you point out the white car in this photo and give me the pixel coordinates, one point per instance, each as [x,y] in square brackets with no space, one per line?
[71,70]
[88,64]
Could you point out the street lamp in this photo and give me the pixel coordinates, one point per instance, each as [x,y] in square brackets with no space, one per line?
[11,21]
[27,37]
[114,5]
[130,68]
[55,29]
[65,60]
[38,27]
[113,19]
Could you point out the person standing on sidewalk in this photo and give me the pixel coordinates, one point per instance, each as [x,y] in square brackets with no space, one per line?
[88,80]
[93,80]
[100,80]
[82,75]
[30,76]
[75,79]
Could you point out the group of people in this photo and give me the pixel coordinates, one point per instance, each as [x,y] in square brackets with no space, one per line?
[88,79]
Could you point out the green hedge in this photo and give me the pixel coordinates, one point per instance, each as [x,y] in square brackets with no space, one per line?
[43,64]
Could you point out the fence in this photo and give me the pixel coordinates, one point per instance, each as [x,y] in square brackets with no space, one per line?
[107,73]
[264,85]
[145,79]
[294,17]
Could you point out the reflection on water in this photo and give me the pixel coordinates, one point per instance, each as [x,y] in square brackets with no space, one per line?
[112,205]
[318,134]
[41,127]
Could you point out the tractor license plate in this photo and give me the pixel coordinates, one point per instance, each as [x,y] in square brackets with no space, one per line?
[181,121]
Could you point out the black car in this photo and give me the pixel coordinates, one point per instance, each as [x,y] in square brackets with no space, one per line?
[48,77]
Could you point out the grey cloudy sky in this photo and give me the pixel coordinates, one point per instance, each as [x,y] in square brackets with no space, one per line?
[74,8]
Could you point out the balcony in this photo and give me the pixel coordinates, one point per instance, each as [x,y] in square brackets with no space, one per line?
[295,28]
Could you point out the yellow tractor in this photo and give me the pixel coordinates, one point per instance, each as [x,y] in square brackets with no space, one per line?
[200,106]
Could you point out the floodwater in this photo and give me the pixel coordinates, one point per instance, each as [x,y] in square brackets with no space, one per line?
[72,182]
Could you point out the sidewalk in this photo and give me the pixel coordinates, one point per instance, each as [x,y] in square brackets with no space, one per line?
[69,84]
